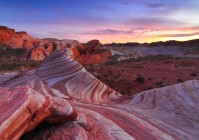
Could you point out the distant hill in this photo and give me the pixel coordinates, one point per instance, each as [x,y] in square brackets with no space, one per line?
[191,43]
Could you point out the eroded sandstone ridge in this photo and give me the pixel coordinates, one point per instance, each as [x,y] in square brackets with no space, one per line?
[23,108]
[88,109]
[39,49]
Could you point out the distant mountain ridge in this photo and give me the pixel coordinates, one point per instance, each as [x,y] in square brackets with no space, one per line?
[172,48]
[194,42]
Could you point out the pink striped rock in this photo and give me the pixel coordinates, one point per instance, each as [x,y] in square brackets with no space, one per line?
[169,113]
[23,108]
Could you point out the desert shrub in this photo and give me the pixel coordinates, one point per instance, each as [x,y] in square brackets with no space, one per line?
[112,60]
[193,74]
[110,82]
[91,69]
[139,79]
[160,84]
[148,88]
[180,80]
[152,57]
[5,49]
[138,67]
[15,64]
[150,78]
[14,59]
[18,52]
[32,63]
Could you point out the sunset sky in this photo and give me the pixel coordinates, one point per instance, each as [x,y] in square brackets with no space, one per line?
[106,20]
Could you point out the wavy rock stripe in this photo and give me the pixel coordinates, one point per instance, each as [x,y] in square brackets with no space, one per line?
[168,113]
[22,109]
[18,110]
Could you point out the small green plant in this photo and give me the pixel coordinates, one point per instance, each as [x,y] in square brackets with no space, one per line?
[150,79]
[193,74]
[148,88]
[139,79]
[160,84]
[180,80]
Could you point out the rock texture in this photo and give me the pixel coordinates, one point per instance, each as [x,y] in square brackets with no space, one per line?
[16,39]
[38,49]
[6,33]
[131,76]
[173,48]
[102,113]
[23,108]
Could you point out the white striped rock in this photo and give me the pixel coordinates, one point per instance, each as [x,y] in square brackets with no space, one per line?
[168,113]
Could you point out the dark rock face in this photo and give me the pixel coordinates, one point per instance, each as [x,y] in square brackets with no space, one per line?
[190,43]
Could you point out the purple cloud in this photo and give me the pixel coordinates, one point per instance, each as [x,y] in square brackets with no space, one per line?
[134,31]
[155,5]
[153,22]
[179,35]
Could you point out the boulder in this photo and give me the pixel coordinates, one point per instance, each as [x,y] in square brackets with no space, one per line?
[22,109]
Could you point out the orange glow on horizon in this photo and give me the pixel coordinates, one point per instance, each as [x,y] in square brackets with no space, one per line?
[178,34]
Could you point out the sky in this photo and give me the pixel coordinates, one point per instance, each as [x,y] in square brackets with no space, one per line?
[106,20]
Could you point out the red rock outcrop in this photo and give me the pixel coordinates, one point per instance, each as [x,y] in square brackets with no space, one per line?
[100,56]
[6,34]
[38,49]
[16,39]
[23,108]
[166,113]
[92,45]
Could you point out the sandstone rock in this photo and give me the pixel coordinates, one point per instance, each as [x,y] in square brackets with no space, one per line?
[39,49]
[93,45]
[37,54]
[21,109]
[102,113]
[166,113]
[21,33]
[62,111]
[95,58]
[6,34]
[61,91]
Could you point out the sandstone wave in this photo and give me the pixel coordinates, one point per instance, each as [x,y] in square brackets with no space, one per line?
[62,91]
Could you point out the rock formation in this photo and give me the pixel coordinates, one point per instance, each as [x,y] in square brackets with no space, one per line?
[16,39]
[6,33]
[38,49]
[92,45]
[23,108]
[102,113]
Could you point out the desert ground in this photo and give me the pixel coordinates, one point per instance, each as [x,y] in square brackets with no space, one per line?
[134,76]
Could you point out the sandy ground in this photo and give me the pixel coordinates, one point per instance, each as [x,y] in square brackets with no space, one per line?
[4,76]
[133,77]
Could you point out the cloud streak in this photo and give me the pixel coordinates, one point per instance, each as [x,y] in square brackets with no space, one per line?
[179,35]
[118,20]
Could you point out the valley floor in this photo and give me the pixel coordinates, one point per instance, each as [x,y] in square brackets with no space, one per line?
[131,77]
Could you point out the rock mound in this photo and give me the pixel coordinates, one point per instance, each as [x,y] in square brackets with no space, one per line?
[6,34]
[102,113]
[39,49]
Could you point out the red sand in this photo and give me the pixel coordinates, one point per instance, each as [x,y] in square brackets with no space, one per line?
[156,73]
